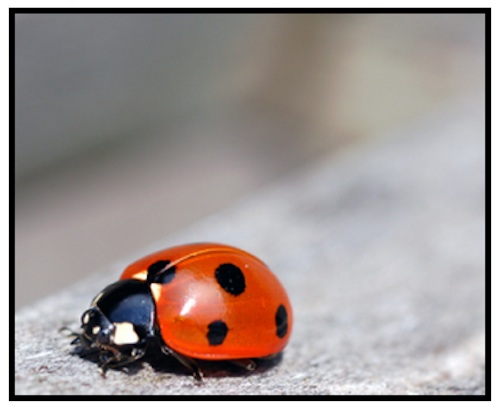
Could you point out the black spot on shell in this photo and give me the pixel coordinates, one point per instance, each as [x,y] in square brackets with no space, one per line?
[230,278]
[217,332]
[158,274]
[281,319]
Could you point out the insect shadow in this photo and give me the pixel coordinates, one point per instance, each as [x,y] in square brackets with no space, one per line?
[163,363]
[211,369]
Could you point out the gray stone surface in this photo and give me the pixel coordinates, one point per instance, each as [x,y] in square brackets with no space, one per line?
[382,250]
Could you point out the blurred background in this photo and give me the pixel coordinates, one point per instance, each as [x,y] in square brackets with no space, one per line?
[130,127]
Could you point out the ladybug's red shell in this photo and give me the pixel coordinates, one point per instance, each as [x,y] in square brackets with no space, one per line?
[216,302]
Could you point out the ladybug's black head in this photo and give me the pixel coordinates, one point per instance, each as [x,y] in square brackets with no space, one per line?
[119,323]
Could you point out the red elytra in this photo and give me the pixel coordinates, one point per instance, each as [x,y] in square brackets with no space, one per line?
[216,302]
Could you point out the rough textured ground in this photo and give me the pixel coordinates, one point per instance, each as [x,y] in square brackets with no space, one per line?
[382,250]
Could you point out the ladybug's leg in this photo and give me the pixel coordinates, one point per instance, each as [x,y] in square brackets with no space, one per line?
[186,362]
[116,359]
[104,365]
[247,364]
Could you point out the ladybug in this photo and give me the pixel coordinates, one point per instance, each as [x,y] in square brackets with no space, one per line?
[197,301]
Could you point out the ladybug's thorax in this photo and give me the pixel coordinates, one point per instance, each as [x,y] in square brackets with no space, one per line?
[120,320]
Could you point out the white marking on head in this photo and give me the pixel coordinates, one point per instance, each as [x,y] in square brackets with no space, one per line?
[124,334]
[96,329]
[86,318]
